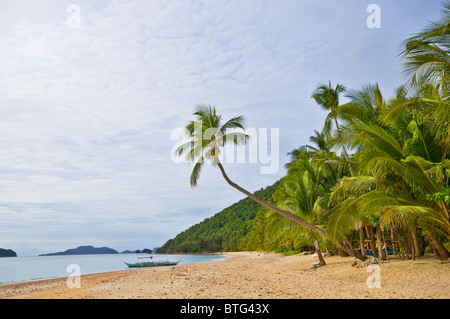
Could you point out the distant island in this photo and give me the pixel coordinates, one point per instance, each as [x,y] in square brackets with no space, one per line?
[84,250]
[137,251]
[90,250]
[7,253]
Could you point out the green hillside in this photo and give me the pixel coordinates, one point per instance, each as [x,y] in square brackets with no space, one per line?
[229,230]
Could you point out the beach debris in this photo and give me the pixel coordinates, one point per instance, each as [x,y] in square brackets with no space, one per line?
[316,265]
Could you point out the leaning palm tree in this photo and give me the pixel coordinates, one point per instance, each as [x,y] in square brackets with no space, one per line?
[207,135]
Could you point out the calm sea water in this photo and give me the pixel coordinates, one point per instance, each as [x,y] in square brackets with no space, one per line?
[18,269]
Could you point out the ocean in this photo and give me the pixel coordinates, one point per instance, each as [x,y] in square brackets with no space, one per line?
[19,269]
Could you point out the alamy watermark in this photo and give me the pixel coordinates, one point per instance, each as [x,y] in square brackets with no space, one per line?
[374,19]
[74,19]
[263,147]
[374,279]
[74,279]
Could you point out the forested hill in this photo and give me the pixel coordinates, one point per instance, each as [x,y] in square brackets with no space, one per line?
[229,230]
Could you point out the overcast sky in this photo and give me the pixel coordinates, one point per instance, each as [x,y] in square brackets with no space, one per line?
[91,93]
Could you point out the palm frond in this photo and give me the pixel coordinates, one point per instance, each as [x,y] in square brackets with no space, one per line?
[235,122]
[342,218]
[377,137]
[196,173]
[395,110]
[416,172]
[237,138]
[427,52]
[352,187]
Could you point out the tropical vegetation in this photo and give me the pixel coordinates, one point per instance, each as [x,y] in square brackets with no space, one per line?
[376,180]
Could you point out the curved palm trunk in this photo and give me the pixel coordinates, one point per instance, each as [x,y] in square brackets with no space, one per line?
[289,216]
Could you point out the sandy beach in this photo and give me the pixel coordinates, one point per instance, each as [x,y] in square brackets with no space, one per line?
[253,275]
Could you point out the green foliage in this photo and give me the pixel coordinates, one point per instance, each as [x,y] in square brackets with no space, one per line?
[207,134]
[444,194]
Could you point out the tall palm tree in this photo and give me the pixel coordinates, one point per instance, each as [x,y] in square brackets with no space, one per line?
[206,136]
[328,98]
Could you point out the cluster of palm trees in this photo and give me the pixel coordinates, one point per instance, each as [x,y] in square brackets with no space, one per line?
[392,174]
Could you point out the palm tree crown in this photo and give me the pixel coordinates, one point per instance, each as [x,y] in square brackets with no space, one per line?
[427,53]
[206,136]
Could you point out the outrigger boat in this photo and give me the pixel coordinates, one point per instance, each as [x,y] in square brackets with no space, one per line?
[152,263]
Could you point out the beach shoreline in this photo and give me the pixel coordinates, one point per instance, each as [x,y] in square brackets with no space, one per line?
[253,275]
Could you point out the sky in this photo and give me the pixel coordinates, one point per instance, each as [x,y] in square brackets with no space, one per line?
[93,95]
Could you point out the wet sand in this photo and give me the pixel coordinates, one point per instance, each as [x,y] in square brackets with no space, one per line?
[253,275]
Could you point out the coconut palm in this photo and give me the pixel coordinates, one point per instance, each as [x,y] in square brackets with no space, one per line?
[426,54]
[323,140]
[206,136]
[327,97]
[427,62]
